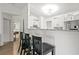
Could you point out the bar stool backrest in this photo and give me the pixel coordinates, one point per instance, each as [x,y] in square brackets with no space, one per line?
[37,44]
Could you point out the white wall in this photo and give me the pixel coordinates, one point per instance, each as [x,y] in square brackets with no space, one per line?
[5,7]
[1,29]
[25,18]
[66,43]
[42,22]
[16,23]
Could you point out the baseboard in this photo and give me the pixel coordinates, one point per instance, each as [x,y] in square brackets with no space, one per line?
[1,43]
[11,40]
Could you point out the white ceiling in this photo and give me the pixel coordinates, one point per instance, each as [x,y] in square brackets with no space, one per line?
[13,6]
[36,10]
[63,8]
[18,5]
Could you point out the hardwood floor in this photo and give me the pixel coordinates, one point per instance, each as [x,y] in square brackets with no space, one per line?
[16,46]
[9,48]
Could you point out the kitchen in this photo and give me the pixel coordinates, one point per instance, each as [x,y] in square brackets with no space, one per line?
[61,29]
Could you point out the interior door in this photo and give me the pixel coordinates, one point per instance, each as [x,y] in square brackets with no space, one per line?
[6,29]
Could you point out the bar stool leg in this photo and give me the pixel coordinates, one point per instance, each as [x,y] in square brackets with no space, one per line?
[24,51]
[19,46]
[21,51]
[52,52]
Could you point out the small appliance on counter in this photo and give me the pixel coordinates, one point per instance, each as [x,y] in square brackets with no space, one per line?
[75,28]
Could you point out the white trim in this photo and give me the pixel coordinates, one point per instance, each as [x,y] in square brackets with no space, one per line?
[1,43]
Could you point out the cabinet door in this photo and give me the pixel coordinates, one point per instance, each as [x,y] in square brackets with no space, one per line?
[49,24]
[76,17]
[69,17]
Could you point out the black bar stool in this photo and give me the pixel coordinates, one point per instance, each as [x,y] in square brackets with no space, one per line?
[20,44]
[40,48]
[26,45]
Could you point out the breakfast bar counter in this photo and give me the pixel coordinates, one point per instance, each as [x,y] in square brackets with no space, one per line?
[66,42]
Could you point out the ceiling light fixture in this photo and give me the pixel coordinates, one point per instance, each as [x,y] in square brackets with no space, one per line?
[49,9]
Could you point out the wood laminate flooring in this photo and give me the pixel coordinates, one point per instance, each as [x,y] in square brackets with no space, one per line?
[9,48]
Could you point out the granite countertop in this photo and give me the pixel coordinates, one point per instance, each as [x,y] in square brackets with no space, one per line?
[56,30]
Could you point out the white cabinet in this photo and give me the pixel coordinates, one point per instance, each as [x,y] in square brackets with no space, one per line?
[49,24]
[76,17]
[71,16]
[55,22]
[68,17]
[33,22]
[59,21]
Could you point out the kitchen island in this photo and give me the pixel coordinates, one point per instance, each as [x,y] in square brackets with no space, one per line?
[66,42]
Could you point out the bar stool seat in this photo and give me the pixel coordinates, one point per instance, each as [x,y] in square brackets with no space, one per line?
[40,48]
[47,48]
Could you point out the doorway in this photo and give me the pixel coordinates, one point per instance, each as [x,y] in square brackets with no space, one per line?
[6,29]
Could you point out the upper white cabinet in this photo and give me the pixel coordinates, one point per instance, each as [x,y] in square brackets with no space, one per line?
[55,22]
[68,17]
[76,17]
[33,22]
[49,24]
[71,16]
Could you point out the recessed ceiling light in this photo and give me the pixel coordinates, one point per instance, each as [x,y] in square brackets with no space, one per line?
[49,9]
